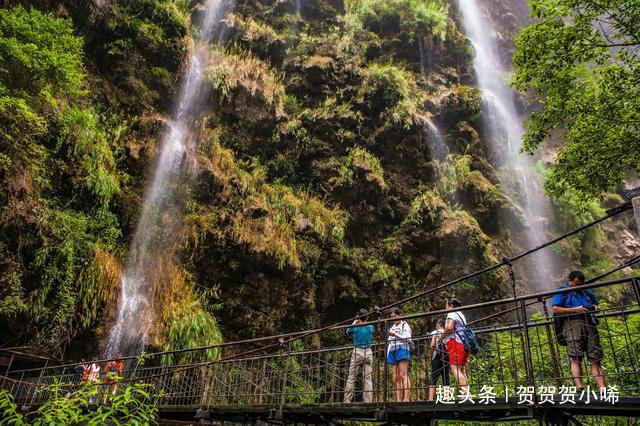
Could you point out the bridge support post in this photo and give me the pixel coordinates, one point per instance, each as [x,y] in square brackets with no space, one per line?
[636,289]
[283,393]
[527,344]
[551,343]
[385,387]
[521,314]
[634,197]
[46,364]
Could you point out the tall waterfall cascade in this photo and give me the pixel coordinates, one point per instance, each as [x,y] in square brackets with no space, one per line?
[161,215]
[505,130]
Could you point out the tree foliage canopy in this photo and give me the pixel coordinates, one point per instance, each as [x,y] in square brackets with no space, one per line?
[581,58]
[57,176]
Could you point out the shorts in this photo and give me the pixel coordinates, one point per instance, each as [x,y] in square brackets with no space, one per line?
[457,354]
[400,354]
[440,368]
[582,339]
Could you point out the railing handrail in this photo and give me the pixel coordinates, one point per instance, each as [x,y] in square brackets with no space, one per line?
[376,346]
[343,324]
[419,315]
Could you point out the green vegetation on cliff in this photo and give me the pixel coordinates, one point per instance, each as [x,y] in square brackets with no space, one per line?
[58,179]
[317,190]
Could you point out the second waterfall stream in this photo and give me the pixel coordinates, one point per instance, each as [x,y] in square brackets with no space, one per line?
[156,233]
[505,131]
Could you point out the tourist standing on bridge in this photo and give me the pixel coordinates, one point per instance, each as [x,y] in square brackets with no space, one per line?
[454,330]
[439,359]
[580,328]
[361,357]
[93,373]
[113,370]
[399,355]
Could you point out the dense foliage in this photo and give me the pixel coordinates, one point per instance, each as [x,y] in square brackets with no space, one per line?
[69,187]
[581,57]
[131,405]
[317,192]
[58,178]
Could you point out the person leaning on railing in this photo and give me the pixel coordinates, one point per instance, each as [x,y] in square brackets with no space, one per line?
[399,355]
[361,357]
[579,328]
[454,331]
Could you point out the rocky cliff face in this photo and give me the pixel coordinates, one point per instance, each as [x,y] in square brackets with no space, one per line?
[320,188]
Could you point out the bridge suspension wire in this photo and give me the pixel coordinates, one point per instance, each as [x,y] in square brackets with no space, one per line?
[505,261]
[625,264]
[288,338]
[179,369]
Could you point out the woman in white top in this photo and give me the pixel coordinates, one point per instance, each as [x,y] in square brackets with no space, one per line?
[92,375]
[399,354]
[454,329]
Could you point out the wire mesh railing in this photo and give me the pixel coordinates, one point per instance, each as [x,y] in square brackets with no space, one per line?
[516,354]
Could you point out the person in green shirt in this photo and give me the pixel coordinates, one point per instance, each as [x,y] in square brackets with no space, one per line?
[361,357]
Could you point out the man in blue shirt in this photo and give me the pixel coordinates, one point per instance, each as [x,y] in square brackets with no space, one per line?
[577,307]
[361,356]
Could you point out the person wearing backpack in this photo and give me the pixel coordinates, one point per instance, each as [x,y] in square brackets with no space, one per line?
[454,332]
[399,355]
[576,309]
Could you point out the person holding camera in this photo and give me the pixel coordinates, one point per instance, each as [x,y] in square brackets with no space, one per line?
[580,328]
[361,357]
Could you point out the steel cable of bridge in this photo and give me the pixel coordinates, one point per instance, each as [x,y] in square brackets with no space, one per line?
[624,264]
[300,335]
[536,296]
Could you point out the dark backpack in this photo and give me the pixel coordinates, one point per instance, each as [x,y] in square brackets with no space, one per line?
[558,323]
[469,339]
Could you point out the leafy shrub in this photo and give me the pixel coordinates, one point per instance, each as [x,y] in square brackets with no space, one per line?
[132,404]
[457,177]
[268,216]
[57,179]
[573,211]
[357,160]
[427,205]
[185,320]
[39,55]
[395,92]
[231,71]
[415,16]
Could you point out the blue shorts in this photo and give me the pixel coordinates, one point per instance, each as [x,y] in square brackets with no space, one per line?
[400,354]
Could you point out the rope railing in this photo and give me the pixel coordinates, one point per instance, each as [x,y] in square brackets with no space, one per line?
[288,338]
[625,264]
[534,297]
[318,376]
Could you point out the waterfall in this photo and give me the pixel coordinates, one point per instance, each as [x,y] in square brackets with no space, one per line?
[156,234]
[505,131]
[436,140]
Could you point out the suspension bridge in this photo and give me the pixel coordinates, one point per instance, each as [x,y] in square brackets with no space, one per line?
[520,371]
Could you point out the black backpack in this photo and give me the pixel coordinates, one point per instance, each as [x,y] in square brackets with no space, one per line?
[558,323]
